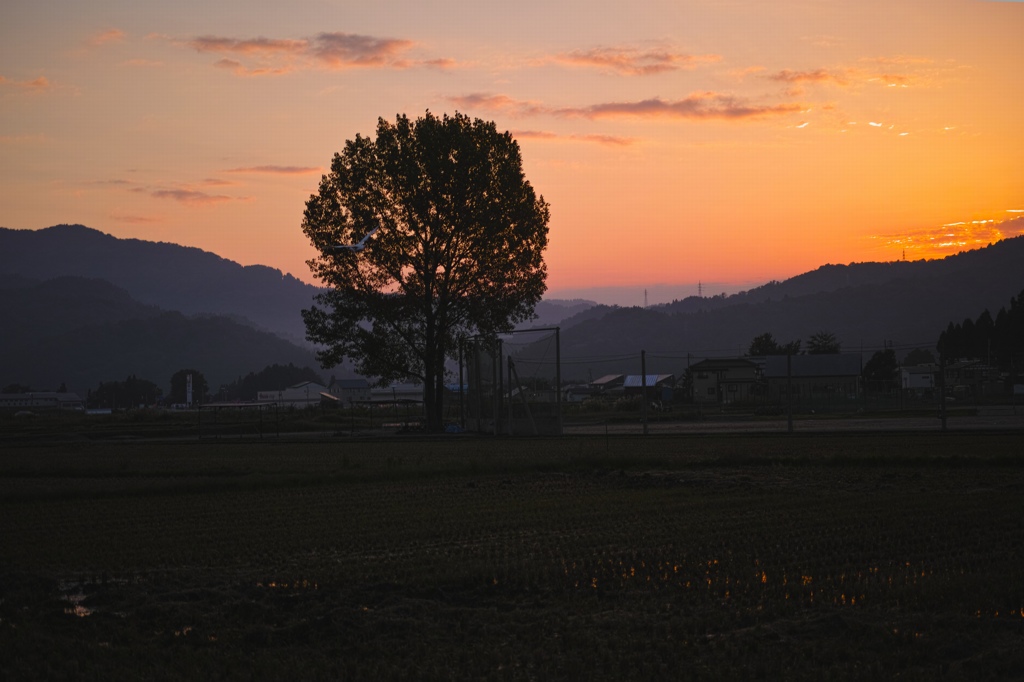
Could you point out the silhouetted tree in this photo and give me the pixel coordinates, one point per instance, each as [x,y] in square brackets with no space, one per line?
[16,388]
[919,356]
[823,343]
[179,386]
[882,366]
[451,242]
[765,344]
[131,392]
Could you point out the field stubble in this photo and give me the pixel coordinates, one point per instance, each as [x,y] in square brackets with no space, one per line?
[812,557]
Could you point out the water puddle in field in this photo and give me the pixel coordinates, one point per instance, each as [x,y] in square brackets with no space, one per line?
[74,594]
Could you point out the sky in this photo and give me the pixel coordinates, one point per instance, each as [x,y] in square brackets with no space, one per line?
[720,142]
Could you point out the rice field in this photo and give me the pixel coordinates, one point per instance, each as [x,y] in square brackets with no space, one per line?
[814,556]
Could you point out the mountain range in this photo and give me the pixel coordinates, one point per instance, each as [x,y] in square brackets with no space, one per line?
[79,306]
[867,306]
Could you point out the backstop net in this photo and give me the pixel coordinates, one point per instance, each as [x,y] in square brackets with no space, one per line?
[512,383]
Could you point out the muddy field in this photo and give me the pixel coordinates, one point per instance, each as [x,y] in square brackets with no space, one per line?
[842,556]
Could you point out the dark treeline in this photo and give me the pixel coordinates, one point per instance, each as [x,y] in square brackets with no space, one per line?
[132,392]
[999,340]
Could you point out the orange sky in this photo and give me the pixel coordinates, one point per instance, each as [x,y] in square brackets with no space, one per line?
[730,142]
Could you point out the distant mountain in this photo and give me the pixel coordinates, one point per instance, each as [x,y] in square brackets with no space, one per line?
[866,305]
[553,312]
[81,332]
[170,276]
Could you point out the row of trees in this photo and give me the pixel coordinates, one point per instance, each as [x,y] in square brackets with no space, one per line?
[998,340]
[820,343]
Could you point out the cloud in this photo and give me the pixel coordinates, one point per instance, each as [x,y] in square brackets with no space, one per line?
[251,46]
[842,77]
[278,170]
[189,197]
[333,51]
[951,238]
[630,61]
[502,103]
[133,219]
[606,140]
[345,50]
[111,35]
[38,84]
[239,69]
[697,106]
[816,76]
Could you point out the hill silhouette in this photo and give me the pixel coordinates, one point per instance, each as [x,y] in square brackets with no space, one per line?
[866,305]
[170,276]
[81,332]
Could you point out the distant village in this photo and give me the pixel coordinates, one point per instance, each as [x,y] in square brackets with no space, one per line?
[833,382]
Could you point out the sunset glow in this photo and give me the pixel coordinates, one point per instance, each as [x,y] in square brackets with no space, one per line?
[676,142]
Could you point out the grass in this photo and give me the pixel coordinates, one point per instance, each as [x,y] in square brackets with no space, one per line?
[696,557]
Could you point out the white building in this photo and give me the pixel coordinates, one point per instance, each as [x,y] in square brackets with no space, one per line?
[304,394]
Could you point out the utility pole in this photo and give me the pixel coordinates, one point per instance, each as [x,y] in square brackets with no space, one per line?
[789,392]
[643,385]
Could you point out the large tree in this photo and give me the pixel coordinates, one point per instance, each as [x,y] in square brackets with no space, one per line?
[823,343]
[426,234]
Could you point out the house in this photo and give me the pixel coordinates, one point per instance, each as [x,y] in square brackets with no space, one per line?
[577,393]
[659,386]
[821,379]
[349,391]
[609,383]
[971,379]
[725,380]
[303,394]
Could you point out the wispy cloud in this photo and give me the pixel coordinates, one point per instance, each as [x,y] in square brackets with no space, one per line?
[38,84]
[502,103]
[336,51]
[134,219]
[815,76]
[278,170]
[630,61]
[606,140]
[696,106]
[111,35]
[189,197]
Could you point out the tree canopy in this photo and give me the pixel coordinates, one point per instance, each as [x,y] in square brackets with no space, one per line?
[765,344]
[823,343]
[451,239]
[882,366]
[179,386]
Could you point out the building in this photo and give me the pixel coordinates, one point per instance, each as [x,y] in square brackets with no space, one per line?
[40,401]
[725,380]
[303,394]
[349,391]
[919,380]
[609,384]
[971,379]
[813,379]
